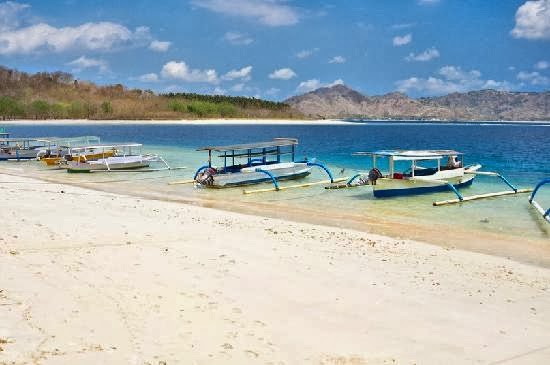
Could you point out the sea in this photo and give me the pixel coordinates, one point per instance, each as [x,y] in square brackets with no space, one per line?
[509,224]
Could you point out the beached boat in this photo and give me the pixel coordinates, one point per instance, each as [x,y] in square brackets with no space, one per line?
[252,163]
[114,157]
[57,149]
[432,177]
[19,148]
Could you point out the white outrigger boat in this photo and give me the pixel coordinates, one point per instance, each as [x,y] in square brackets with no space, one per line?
[434,176]
[57,148]
[18,149]
[253,163]
[115,157]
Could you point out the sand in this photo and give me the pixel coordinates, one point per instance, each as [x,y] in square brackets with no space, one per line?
[89,277]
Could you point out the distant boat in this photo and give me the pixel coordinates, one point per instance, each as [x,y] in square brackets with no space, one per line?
[18,149]
[252,163]
[57,149]
[416,179]
[114,157]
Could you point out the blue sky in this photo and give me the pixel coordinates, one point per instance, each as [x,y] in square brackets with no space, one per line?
[278,48]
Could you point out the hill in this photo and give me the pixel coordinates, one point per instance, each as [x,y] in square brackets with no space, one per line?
[57,95]
[340,101]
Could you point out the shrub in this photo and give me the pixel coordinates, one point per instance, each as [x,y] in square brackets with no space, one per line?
[40,109]
[106,107]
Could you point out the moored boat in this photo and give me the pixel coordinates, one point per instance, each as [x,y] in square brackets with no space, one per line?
[424,172]
[252,163]
[19,148]
[114,157]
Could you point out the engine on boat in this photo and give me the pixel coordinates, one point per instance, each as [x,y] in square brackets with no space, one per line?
[206,177]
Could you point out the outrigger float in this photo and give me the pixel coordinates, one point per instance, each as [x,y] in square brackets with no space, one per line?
[545,213]
[255,163]
[120,157]
[417,179]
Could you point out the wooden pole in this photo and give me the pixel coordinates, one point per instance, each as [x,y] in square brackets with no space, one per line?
[294,186]
[179,182]
[481,196]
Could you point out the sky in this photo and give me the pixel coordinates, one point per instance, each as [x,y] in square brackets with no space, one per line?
[274,49]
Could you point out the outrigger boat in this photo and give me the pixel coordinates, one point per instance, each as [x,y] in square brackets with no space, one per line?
[58,149]
[432,177]
[19,148]
[114,157]
[253,163]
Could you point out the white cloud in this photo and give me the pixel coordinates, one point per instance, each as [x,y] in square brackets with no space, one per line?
[542,65]
[273,13]
[180,71]
[84,62]
[402,40]
[534,78]
[10,15]
[428,2]
[238,39]
[151,77]
[453,79]
[305,53]
[533,20]
[102,36]
[243,74]
[282,74]
[337,59]
[427,55]
[511,68]
[219,91]
[314,84]
[159,46]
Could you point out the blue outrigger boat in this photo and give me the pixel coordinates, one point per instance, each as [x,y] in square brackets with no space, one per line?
[254,163]
[545,213]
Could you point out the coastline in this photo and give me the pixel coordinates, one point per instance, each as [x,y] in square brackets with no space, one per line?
[335,121]
[131,280]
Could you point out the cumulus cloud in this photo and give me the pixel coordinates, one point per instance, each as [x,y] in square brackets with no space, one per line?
[542,65]
[314,84]
[102,36]
[151,77]
[10,15]
[84,62]
[238,39]
[533,20]
[533,78]
[180,71]
[402,40]
[159,46]
[337,59]
[219,91]
[282,74]
[273,13]
[305,53]
[427,55]
[243,74]
[451,79]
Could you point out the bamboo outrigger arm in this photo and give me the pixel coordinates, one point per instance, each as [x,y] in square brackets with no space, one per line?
[538,207]
[462,198]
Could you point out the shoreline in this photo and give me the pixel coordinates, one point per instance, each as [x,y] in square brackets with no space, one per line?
[174,283]
[335,121]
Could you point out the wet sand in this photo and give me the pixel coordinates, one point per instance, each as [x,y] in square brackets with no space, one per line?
[89,277]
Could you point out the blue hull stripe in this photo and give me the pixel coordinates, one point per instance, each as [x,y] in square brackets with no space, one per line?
[266,179]
[421,190]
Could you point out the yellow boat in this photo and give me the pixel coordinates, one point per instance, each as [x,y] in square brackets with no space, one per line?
[54,160]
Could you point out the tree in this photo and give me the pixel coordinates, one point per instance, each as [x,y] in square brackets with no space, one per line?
[40,109]
[106,107]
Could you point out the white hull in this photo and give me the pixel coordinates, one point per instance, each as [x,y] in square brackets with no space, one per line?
[249,175]
[110,163]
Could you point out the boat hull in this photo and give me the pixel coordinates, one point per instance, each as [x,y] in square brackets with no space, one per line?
[383,189]
[19,155]
[296,171]
[108,164]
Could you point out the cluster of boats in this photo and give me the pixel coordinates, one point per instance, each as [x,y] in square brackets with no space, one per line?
[409,172]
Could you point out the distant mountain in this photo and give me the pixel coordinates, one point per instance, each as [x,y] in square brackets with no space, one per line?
[340,101]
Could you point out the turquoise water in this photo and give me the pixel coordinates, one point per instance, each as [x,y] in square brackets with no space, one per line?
[518,151]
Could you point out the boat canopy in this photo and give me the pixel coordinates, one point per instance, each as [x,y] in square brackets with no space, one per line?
[107,146]
[70,141]
[410,155]
[276,142]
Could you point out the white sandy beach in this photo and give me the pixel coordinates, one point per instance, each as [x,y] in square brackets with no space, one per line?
[88,277]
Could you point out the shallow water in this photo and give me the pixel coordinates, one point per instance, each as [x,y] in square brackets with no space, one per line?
[518,151]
